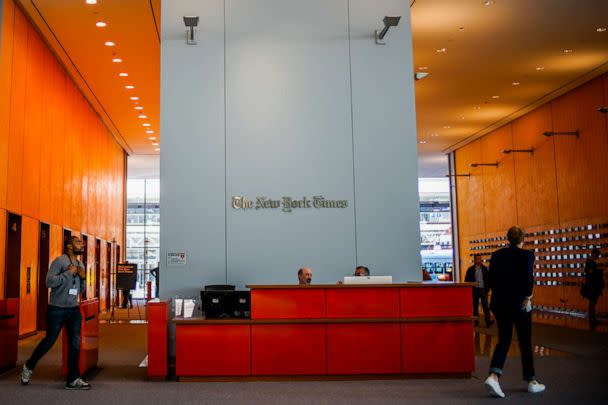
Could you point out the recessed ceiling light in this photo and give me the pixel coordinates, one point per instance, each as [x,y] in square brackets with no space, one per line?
[423,68]
[601,29]
[109,43]
[423,141]
[434,134]
[100,24]
[91,1]
[128,86]
[149,131]
[116,60]
[152,138]
[123,74]
[447,127]
[488,2]
[142,116]
[540,68]
[139,107]
[157,149]
[155,143]
[461,28]
[477,107]
[515,83]
[441,50]
[568,51]
[134,98]
[461,117]
[145,124]
[495,96]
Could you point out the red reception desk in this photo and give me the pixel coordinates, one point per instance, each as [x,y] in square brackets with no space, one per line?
[89,338]
[335,330]
[9,333]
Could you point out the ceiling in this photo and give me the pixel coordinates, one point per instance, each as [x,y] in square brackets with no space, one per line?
[487,49]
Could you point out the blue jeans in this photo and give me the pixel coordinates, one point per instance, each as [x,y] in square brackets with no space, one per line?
[56,317]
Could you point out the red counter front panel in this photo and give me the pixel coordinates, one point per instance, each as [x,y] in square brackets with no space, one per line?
[9,332]
[89,338]
[373,348]
[212,350]
[288,303]
[435,301]
[292,349]
[158,314]
[438,347]
[362,302]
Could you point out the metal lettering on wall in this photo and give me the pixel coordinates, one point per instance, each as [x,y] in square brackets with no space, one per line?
[286,204]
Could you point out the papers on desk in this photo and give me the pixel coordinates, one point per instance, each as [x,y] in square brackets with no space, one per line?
[184,307]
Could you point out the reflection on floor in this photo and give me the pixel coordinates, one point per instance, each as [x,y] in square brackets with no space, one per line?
[485,343]
[135,314]
[568,321]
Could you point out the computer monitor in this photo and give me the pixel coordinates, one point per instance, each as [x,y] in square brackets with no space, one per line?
[368,280]
[225,303]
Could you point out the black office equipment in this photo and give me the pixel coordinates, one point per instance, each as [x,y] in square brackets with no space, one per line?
[222,301]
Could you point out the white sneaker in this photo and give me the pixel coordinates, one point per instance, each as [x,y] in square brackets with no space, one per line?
[493,387]
[535,387]
[26,374]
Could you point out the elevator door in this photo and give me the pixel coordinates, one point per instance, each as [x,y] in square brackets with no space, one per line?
[97,268]
[43,268]
[108,273]
[13,257]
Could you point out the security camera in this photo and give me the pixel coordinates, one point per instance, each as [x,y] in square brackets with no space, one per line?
[420,75]
[190,22]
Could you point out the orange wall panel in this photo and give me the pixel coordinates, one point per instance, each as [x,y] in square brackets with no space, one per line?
[29,259]
[581,163]
[535,182]
[470,190]
[6,70]
[499,182]
[55,242]
[17,118]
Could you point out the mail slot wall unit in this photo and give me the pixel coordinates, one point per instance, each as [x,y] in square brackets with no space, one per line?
[89,338]
[335,330]
[9,332]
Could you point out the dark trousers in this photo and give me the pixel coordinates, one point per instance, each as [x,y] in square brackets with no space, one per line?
[523,325]
[56,317]
[592,305]
[481,294]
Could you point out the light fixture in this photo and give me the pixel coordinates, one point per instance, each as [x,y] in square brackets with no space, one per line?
[149,131]
[420,75]
[477,107]
[568,51]
[109,43]
[461,118]
[138,107]
[191,22]
[128,86]
[515,83]
[422,141]
[447,127]
[603,109]
[488,2]
[601,29]
[155,143]
[434,134]
[441,50]
[495,97]
[564,133]
[134,98]
[509,151]
[484,164]
[388,22]
[123,74]
[157,149]
[540,68]
[142,116]
[116,60]
[152,138]
[145,124]
[423,68]
[91,1]
[100,24]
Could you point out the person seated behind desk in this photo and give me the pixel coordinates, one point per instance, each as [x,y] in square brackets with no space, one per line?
[304,276]
[360,271]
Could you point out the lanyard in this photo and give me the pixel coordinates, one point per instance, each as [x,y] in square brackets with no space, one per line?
[73,275]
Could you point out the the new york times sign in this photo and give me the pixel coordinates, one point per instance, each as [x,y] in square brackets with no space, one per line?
[286,204]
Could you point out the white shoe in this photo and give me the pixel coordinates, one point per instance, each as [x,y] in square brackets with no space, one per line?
[493,387]
[535,387]
[25,376]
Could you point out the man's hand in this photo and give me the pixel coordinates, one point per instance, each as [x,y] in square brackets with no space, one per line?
[73,269]
[82,273]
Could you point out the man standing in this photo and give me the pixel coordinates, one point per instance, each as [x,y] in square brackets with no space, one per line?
[304,276]
[67,280]
[511,280]
[478,274]
[594,285]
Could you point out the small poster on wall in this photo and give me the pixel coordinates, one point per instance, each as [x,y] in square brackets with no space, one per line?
[176,258]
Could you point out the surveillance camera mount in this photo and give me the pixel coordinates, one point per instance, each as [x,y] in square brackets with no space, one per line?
[191,22]
[388,22]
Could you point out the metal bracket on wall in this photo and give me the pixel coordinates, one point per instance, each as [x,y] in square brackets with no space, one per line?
[508,151]
[565,133]
[458,175]
[484,164]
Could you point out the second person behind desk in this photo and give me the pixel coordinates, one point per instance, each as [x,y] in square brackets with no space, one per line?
[304,276]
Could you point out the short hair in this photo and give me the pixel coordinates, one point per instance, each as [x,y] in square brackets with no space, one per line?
[300,271]
[595,251]
[365,269]
[515,235]
[69,241]
[476,255]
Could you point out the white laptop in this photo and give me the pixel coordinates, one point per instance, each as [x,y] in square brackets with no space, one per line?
[368,280]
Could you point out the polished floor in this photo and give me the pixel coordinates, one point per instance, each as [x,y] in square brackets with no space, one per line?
[572,362]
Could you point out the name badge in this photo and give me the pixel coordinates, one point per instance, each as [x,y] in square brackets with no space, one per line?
[73,291]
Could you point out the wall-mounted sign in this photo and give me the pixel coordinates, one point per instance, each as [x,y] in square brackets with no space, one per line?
[286,204]
[176,258]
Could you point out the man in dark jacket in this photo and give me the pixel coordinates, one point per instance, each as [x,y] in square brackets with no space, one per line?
[478,274]
[511,280]
[594,285]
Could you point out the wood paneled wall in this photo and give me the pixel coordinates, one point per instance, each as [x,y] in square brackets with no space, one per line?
[58,163]
[564,183]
